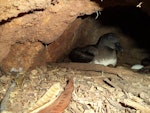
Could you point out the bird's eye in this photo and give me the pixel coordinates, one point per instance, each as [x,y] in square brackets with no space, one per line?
[118,47]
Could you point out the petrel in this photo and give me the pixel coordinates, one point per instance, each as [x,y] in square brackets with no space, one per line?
[104,52]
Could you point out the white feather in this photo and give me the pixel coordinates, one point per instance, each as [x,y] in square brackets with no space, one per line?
[105,62]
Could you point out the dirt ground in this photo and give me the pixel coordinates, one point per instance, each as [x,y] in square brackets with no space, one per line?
[99,90]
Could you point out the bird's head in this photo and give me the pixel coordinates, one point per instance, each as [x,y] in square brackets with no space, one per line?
[110,40]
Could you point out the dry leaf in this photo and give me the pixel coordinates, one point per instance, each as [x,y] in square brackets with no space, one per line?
[48,97]
[62,101]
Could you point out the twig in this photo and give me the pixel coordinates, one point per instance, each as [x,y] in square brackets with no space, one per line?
[111,84]
[3,105]
[142,108]
[115,104]
[93,67]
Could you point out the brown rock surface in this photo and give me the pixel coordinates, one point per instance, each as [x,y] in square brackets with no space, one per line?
[60,48]
[39,25]
[44,21]
[22,56]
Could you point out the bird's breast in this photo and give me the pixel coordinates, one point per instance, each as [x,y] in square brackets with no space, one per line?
[105,62]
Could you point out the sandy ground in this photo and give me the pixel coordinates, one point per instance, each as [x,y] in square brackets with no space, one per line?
[94,91]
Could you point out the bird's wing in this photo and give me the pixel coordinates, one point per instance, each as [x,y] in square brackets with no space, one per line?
[85,54]
[90,49]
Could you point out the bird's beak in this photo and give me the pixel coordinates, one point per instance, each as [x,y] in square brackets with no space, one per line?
[118,47]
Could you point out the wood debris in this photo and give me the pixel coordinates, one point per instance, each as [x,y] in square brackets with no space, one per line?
[117,90]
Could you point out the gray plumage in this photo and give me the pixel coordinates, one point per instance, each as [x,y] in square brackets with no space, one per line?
[103,52]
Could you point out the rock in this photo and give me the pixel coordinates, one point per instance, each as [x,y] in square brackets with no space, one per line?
[22,56]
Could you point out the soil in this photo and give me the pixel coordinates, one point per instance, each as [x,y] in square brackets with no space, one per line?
[94,91]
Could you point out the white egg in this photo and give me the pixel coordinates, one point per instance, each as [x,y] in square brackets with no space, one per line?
[137,67]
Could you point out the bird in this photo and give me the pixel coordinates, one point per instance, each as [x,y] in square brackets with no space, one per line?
[104,52]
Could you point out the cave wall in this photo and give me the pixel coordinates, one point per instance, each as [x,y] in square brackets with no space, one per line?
[43,26]
[33,32]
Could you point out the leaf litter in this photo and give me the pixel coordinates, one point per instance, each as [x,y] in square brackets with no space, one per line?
[90,92]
